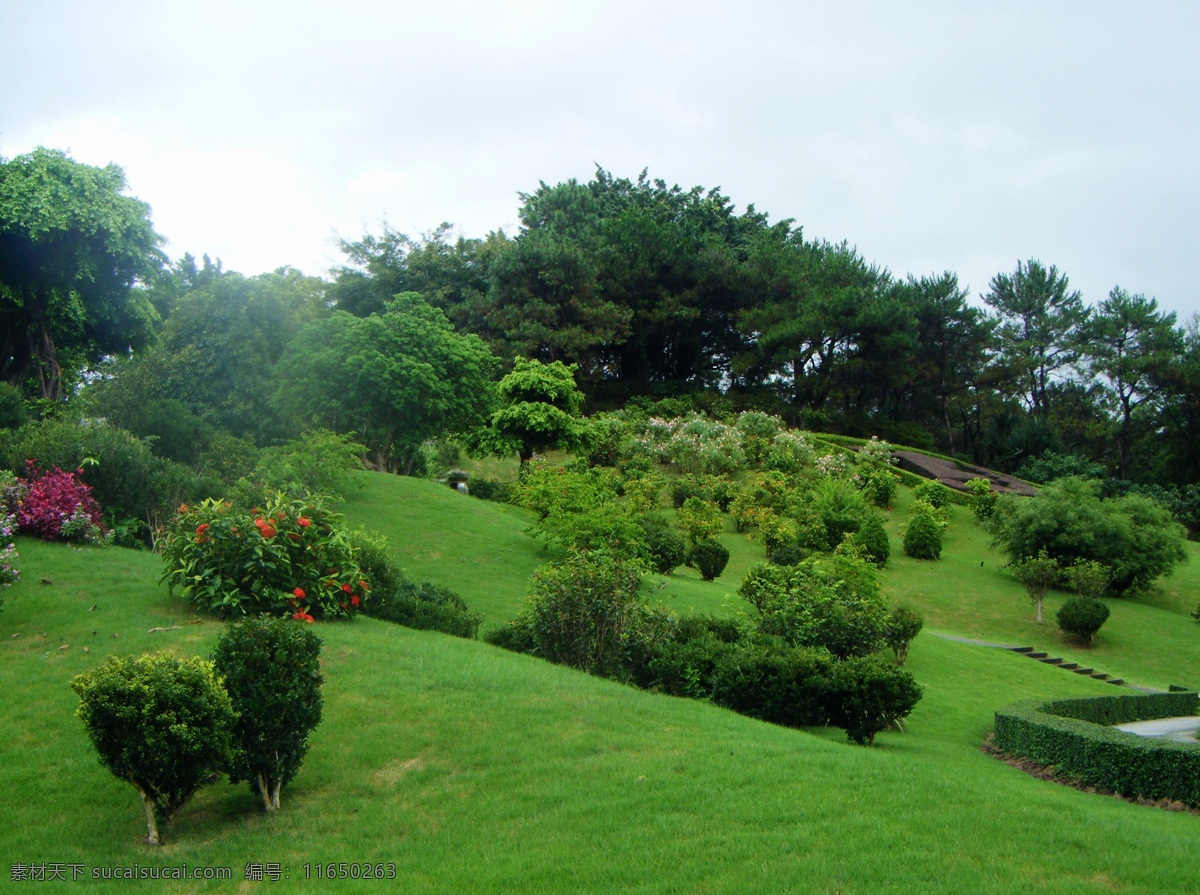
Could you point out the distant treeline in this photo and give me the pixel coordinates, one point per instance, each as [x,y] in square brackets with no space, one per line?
[655,292]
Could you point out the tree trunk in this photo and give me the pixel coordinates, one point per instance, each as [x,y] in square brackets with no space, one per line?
[1039,612]
[151,822]
[275,795]
[265,790]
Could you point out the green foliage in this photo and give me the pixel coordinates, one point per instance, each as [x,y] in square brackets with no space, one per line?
[699,520]
[983,498]
[709,558]
[12,407]
[539,410]
[1038,574]
[1082,616]
[564,490]
[933,493]
[787,555]
[272,672]
[309,467]
[923,537]
[869,694]
[1088,578]
[758,432]
[394,379]
[666,548]
[775,682]
[125,476]
[162,724]
[903,625]
[775,531]
[790,453]
[834,604]
[1076,737]
[289,558]
[879,487]
[833,509]
[1133,537]
[1051,466]
[72,248]
[586,613]
[871,541]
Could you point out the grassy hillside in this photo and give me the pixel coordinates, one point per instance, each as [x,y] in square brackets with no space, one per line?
[472,769]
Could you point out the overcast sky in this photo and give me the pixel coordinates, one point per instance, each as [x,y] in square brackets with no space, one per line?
[933,136]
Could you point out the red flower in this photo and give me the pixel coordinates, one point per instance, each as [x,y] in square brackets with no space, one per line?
[302,617]
[346,588]
[299,592]
[267,531]
[365,586]
[200,529]
[303,523]
[354,601]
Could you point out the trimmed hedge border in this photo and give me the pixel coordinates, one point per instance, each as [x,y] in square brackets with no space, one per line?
[1074,736]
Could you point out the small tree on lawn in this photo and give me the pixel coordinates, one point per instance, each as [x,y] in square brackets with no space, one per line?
[540,407]
[1038,574]
[161,724]
[272,671]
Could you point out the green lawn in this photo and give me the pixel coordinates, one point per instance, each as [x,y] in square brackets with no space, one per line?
[475,770]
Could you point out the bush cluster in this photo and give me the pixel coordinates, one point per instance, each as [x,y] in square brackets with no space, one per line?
[170,727]
[1076,737]
[288,558]
[57,505]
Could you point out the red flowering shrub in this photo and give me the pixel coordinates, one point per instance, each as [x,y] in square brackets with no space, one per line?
[287,559]
[51,499]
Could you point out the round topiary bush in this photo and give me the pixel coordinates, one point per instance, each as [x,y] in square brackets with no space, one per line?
[787,555]
[1082,616]
[709,558]
[163,725]
[923,538]
[871,541]
[667,548]
[272,671]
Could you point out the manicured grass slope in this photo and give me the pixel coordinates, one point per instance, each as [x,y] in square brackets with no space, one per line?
[477,770]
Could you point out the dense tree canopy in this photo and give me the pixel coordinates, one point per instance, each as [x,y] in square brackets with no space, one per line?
[73,248]
[395,379]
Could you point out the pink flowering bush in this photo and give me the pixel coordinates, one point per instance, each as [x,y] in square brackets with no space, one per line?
[9,573]
[56,505]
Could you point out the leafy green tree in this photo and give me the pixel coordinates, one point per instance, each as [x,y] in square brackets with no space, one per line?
[1133,537]
[539,410]
[72,249]
[160,724]
[1039,320]
[272,672]
[1130,345]
[394,379]
[1038,574]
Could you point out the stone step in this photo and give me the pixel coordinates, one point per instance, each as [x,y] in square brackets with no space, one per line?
[1037,655]
[1100,676]
[1021,649]
[1069,666]
[1054,661]
[1117,681]
[1087,671]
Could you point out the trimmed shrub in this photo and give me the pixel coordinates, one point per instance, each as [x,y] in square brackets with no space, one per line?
[903,625]
[1083,617]
[767,679]
[787,555]
[709,558]
[425,607]
[923,537]
[667,548]
[869,694]
[289,558]
[699,520]
[1076,737]
[871,541]
[161,724]
[272,672]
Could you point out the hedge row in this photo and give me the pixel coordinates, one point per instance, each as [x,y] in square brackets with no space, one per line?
[1072,735]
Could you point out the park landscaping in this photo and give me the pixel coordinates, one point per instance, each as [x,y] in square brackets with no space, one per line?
[472,768]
